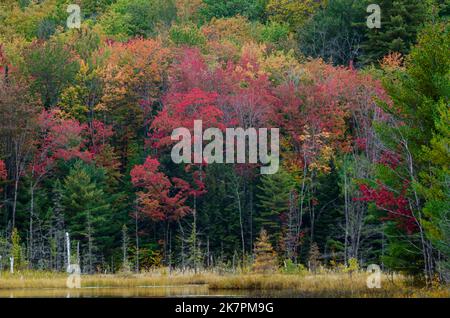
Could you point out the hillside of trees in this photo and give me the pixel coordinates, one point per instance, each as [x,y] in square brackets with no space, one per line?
[86,116]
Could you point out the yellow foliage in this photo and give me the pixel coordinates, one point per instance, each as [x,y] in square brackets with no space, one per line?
[18,21]
[283,67]
[235,29]
[187,10]
[293,12]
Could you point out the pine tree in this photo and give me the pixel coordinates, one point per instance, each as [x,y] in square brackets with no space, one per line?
[416,141]
[432,79]
[400,23]
[86,208]
[195,257]
[265,256]
[273,201]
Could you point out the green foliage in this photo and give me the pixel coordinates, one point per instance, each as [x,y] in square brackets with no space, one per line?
[273,201]
[400,22]
[187,35]
[335,32]
[53,68]
[295,13]
[94,8]
[294,269]
[420,94]
[252,9]
[16,250]
[432,81]
[353,266]
[87,209]
[128,18]
[274,32]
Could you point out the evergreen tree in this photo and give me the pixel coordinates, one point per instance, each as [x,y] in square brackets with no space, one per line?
[314,258]
[273,202]
[432,80]
[265,256]
[400,23]
[86,209]
[218,212]
[420,97]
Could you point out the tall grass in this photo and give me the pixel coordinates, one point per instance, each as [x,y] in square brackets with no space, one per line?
[299,285]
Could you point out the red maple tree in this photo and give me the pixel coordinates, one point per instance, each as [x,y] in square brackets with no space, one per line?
[396,206]
[160,198]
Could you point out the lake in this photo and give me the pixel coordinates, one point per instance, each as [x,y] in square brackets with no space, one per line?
[141,292]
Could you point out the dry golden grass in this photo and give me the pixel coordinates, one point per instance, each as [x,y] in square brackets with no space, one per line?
[320,285]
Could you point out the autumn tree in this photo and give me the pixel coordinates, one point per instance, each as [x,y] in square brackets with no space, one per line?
[52,66]
[133,76]
[160,198]
[295,13]
[19,111]
[265,257]
[135,18]
[3,173]
[314,258]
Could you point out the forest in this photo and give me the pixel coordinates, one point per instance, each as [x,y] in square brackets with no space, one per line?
[87,111]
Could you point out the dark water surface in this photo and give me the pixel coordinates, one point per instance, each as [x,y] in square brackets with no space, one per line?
[141,292]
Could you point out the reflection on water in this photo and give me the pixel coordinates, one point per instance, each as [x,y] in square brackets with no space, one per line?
[143,292]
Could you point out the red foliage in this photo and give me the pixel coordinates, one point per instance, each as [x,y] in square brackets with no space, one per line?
[3,172]
[181,109]
[161,199]
[397,207]
[59,139]
[190,71]
[323,110]
[244,92]
[390,159]
[99,134]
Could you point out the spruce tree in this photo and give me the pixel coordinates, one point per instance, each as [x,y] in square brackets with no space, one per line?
[400,22]
[314,257]
[86,208]
[265,256]
[273,201]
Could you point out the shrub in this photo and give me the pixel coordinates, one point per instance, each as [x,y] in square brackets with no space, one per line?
[188,35]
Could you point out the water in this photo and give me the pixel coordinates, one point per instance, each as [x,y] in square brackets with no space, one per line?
[141,292]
